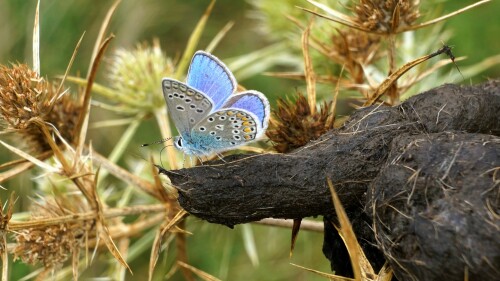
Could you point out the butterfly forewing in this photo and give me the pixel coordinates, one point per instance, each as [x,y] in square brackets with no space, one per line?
[224,129]
[210,76]
[186,105]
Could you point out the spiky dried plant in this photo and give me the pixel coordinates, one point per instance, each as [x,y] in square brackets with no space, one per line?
[362,38]
[293,124]
[26,100]
[385,16]
[52,245]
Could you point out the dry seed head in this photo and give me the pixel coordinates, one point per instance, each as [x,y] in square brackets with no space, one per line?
[25,97]
[377,15]
[137,74]
[293,125]
[51,245]
[353,45]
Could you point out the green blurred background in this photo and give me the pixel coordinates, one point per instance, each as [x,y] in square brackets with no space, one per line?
[215,249]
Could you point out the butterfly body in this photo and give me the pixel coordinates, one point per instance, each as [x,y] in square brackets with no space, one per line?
[208,116]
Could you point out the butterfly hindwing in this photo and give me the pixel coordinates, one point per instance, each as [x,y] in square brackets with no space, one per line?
[186,105]
[224,129]
[254,102]
[210,76]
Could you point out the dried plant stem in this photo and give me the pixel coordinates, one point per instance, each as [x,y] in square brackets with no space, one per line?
[389,81]
[307,225]
[36,40]
[203,275]
[445,17]
[122,144]
[308,70]
[180,243]
[108,213]
[130,230]
[126,176]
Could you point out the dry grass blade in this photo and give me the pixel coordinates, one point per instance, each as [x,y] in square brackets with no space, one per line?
[4,220]
[385,273]
[180,243]
[193,41]
[389,81]
[327,275]
[218,37]
[445,17]
[30,158]
[202,274]
[36,40]
[395,18]
[155,250]
[306,225]
[361,267]
[99,40]
[125,175]
[308,69]
[348,23]
[81,126]
[295,233]
[106,237]
[75,262]
[108,213]
[75,51]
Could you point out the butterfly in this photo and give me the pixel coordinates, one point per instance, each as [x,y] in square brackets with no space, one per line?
[209,117]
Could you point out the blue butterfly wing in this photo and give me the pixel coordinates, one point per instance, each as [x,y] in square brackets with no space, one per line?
[255,103]
[186,105]
[224,129]
[210,76]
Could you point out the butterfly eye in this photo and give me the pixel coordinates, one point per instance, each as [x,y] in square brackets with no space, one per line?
[179,142]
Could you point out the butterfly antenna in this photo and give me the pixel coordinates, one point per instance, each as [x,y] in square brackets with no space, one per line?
[156,142]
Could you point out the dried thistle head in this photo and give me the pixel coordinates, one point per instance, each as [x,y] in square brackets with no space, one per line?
[293,125]
[379,15]
[52,245]
[135,75]
[354,50]
[25,97]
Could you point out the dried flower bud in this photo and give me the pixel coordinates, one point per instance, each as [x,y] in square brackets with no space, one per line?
[293,125]
[25,97]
